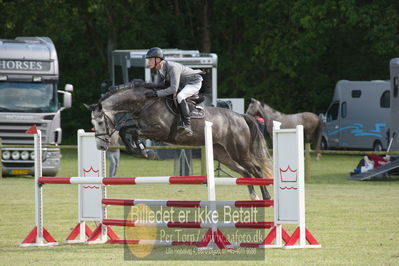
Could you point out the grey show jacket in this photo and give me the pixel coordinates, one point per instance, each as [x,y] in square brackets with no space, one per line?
[178,75]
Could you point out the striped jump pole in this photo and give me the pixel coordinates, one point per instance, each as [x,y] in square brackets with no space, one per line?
[171,180]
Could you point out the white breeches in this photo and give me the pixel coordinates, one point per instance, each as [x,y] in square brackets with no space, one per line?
[188,90]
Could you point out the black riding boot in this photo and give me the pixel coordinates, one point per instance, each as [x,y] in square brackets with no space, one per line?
[185,117]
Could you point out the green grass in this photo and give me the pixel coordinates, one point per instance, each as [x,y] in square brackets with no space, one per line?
[356,222]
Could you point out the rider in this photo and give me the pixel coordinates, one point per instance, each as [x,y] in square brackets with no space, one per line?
[178,76]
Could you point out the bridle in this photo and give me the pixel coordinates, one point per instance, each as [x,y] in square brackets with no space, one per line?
[108,132]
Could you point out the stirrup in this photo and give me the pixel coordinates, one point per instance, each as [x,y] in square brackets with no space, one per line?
[185,130]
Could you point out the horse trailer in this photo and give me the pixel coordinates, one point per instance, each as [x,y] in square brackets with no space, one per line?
[131,64]
[394,81]
[358,116]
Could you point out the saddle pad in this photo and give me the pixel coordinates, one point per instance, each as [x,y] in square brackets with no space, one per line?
[197,113]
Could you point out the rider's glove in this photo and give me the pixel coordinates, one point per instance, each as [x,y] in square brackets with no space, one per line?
[151,94]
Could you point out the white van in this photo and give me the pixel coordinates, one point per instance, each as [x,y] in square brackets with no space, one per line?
[358,116]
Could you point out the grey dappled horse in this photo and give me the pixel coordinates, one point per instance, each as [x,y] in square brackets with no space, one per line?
[237,141]
[311,122]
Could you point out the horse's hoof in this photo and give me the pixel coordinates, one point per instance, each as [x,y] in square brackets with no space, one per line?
[254,196]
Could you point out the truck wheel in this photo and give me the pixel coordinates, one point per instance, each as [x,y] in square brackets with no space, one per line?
[324,145]
[377,146]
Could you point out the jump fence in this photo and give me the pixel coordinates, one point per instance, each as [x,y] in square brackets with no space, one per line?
[288,203]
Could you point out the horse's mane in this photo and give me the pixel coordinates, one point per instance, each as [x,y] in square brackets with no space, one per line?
[271,108]
[117,88]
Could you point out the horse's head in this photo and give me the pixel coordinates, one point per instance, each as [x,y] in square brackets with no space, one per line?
[254,107]
[103,123]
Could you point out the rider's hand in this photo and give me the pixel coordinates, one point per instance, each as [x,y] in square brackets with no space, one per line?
[151,94]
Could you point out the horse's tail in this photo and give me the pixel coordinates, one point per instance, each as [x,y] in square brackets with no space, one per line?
[258,147]
[318,134]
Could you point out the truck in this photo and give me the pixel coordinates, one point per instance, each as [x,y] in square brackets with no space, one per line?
[358,116]
[29,95]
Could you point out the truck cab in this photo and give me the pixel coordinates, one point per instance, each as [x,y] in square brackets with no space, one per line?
[29,95]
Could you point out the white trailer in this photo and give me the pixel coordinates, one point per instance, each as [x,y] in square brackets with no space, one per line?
[358,116]
[394,82]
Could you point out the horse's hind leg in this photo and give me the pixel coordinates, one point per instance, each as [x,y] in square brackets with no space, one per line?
[263,189]
[222,156]
[257,172]
[245,161]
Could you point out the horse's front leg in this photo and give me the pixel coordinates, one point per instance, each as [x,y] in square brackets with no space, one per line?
[130,137]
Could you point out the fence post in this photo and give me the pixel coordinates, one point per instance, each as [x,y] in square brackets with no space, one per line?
[203,161]
[308,174]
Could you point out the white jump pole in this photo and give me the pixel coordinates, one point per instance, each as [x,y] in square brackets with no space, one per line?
[210,178]
[39,234]
[38,188]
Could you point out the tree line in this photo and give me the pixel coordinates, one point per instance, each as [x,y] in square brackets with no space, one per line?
[287,53]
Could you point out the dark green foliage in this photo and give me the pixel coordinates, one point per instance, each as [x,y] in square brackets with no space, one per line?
[287,53]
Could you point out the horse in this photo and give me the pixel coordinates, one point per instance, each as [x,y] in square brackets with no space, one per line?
[312,124]
[237,141]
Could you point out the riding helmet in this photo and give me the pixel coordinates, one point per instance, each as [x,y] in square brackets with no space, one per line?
[155,52]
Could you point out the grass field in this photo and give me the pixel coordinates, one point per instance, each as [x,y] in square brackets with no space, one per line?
[357,223]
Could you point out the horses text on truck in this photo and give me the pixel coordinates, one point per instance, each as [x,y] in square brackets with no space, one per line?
[29,96]
[358,116]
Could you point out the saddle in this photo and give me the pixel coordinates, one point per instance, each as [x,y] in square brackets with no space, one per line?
[195,104]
